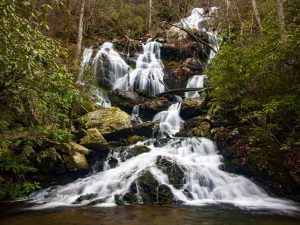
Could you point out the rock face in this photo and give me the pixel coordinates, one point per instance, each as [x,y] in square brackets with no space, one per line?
[107,120]
[150,191]
[125,100]
[197,126]
[94,140]
[192,107]
[152,107]
[149,105]
[174,172]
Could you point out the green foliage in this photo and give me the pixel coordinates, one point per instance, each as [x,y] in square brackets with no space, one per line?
[36,93]
[256,79]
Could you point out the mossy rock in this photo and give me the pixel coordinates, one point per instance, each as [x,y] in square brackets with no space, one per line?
[72,147]
[192,107]
[174,172]
[137,150]
[152,191]
[76,162]
[107,120]
[94,140]
[197,126]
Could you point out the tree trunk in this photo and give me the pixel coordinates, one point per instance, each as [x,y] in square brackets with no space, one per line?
[150,14]
[228,18]
[80,30]
[256,13]
[281,19]
[67,22]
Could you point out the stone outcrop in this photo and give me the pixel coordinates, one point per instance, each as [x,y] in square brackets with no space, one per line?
[107,120]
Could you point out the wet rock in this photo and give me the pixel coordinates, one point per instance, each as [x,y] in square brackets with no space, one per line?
[130,198]
[192,107]
[179,50]
[86,197]
[197,126]
[165,195]
[137,150]
[125,100]
[107,120]
[72,147]
[174,172]
[143,130]
[194,65]
[94,140]
[152,107]
[76,162]
[153,192]
[113,162]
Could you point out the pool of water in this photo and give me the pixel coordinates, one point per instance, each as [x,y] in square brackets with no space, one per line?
[146,215]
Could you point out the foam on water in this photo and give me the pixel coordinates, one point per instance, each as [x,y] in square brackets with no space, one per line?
[148,74]
[204,179]
[196,81]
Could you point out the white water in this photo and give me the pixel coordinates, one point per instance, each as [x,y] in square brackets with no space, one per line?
[135,115]
[85,61]
[196,81]
[109,65]
[204,179]
[170,121]
[101,98]
[148,74]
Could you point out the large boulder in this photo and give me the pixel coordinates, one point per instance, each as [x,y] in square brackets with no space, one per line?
[73,157]
[142,130]
[107,120]
[192,107]
[198,126]
[94,140]
[174,172]
[152,107]
[125,100]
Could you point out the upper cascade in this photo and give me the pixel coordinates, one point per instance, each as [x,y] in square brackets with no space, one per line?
[196,81]
[85,61]
[108,65]
[148,74]
[170,120]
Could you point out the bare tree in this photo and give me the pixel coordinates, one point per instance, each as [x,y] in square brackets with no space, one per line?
[67,28]
[257,15]
[149,14]
[281,19]
[80,30]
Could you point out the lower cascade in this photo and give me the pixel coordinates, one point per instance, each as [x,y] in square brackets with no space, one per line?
[179,170]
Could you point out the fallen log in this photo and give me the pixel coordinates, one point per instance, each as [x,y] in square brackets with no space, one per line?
[181,90]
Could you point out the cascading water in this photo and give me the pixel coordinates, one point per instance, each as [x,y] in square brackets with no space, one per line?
[196,81]
[100,98]
[108,66]
[148,74]
[135,115]
[85,61]
[170,121]
[203,179]
[204,182]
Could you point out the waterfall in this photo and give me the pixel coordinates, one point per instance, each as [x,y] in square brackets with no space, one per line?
[135,115]
[170,121]
[101,98]
[85,61]
[214,42]
[204,181]
[148,74]
[108,66]
[196,81]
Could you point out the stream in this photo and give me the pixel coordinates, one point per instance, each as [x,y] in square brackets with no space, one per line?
[176,180]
